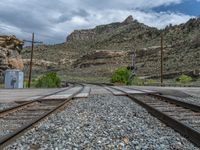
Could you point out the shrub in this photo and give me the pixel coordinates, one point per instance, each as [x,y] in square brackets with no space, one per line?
[151,82]
[184,79]
[50,80]
[121,75]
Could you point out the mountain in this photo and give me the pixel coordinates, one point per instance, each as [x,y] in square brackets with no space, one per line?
[94,54]
[117,35]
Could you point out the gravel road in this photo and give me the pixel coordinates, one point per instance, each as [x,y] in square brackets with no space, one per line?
[102,122]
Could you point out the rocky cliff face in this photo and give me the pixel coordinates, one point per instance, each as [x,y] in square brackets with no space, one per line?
[129,33]
[100,31]
[83,35]
[100,57]
[9,58]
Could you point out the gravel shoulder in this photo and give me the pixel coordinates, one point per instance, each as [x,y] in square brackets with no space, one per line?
[102,122]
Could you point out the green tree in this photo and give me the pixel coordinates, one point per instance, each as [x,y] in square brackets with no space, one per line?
[121,75]
[49,80]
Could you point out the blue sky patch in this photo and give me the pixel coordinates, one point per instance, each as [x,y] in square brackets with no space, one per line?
[189,7]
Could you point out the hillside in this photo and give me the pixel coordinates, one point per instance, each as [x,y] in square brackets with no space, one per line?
[95,53]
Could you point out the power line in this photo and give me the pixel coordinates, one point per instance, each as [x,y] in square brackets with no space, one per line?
[40,42]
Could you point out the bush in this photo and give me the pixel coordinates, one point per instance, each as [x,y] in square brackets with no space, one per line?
[50,80]
[121,75]
[184,79]
[151,82]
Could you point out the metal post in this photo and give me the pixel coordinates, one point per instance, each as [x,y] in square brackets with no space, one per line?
[161,60]
[134,61]
[133,66]
[133,58]
[31,62]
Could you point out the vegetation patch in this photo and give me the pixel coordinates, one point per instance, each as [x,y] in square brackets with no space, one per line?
[184,79]
[121,75]
[151,82]
[137,81]
[49,80]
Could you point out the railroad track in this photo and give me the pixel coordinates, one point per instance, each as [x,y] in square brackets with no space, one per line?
[16,120]
[18,107]
[181,116]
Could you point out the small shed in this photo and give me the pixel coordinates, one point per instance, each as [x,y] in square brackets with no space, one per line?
[14,79]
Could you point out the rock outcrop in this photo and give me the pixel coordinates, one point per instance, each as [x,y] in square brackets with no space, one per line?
[83,35]
[100,57]
[98,32]
[11,42]
[128,20]
[116,35]
[10,57]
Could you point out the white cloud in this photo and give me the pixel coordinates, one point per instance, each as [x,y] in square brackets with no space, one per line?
[9,29]
[149,3]
[116,4]
[160,20]
[79,21]
[53,20]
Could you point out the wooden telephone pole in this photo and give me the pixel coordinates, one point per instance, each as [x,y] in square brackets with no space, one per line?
[161,59]
[31,61]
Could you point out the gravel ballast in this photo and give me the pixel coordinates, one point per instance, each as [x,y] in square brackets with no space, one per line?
[190,99]
[7,105]
[102,122]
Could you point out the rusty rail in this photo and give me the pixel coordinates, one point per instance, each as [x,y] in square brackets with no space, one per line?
[190,133]
[15,108]
[6,140]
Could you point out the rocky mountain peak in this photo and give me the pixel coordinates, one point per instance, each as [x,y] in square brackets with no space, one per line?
[128,20]
[102,30]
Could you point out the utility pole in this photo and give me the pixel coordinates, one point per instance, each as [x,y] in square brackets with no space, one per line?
[134,61]
[31,61]
[133,65]
[133,56]
[161,59]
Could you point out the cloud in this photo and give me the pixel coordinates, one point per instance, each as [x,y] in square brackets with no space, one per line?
[139,4]
[52,20]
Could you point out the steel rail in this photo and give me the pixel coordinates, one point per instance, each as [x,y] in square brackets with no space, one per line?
[190,133]
[6,140]
[15,108]
[190,106]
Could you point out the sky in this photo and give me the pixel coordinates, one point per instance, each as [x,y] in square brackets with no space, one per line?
[53,20]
